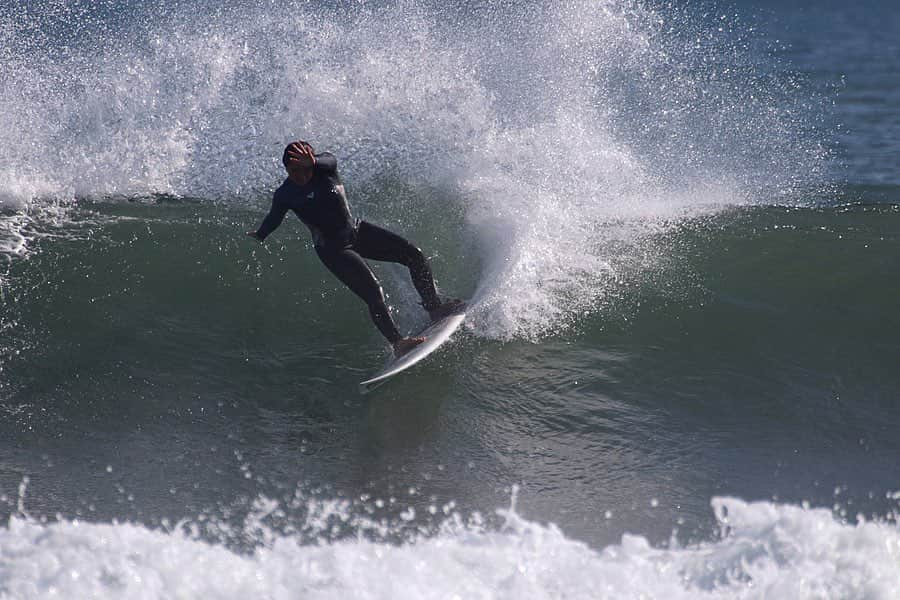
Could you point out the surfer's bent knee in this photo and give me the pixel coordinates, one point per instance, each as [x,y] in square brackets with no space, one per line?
[414,256]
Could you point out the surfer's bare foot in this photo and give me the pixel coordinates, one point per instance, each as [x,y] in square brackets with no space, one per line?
[404,345]
[446,308]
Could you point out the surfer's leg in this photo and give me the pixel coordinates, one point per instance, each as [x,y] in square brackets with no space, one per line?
[380,244]
[353,271]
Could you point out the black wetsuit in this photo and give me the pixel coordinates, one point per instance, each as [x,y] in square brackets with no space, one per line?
[342,241]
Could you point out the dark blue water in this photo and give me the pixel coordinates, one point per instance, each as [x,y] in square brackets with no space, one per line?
[850,48]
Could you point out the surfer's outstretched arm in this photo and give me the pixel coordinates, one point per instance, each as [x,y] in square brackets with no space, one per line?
[272,220]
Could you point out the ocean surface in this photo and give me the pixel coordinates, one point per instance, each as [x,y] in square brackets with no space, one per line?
[678,224]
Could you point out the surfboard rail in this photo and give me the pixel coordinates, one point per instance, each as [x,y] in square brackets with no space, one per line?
[436,334]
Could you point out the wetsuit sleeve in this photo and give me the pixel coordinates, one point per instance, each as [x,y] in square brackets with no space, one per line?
[274,218]
[326,163]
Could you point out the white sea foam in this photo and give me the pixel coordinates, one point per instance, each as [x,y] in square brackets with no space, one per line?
[569,134]
[767,551]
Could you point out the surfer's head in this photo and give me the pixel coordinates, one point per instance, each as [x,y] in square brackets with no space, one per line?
[297,161]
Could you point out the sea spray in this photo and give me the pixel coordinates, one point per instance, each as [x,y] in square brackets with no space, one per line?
[568,134]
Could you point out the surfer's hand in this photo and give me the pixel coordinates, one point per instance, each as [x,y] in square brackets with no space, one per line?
[301,156]
[254,235]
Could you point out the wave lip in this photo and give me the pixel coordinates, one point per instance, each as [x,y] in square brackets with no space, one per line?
[766,550]
[565,135]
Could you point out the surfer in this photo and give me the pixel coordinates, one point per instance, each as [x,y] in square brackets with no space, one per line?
[313,190]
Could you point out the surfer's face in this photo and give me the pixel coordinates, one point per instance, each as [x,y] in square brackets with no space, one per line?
[299,175]
[299,160]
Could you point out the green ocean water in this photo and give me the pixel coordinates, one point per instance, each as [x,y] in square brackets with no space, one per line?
[164,363]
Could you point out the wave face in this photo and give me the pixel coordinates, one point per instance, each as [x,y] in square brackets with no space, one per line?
[765,550]
[562,136]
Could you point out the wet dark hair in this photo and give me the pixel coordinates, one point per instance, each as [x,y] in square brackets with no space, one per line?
[285,158]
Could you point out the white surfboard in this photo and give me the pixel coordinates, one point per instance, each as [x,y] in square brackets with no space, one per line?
[435,335]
